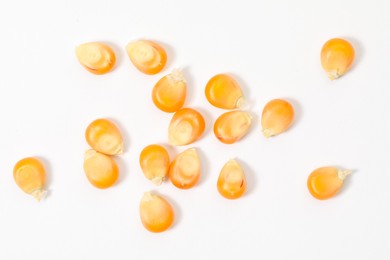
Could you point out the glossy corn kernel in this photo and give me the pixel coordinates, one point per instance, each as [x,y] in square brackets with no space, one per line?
[186,126]
[169,93]
[100,169]
[30,176]
[157,215]
[154,161]
[104,136]
[337,56]
[147,56]
[277,117]
[223,91]
[184,172]
[96,57]
[325,182]
[232,126]
[231,182]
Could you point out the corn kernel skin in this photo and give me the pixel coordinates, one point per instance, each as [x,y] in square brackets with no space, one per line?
[223,91]
[154,162]
[231,126]
[277,117]
[95,57]
[104,136]
[157,214]
[184,171]
[337,56]
[231,181]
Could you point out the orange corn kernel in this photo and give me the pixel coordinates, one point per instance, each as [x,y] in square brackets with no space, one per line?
[147,56]
[223,91]
[169,93]
[154,161]
[30,176]
[231,182]
[104,136]
[186,126]
[96,57]
[157,215]
[325,182]
[337,56]
[100,169]
[277,117]
[232,126]
[184,172]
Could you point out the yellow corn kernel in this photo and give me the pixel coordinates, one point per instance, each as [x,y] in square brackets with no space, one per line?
[154,161]
[157,215]
[100,169]
[104,136]
[184,171]
[223,91]
[169,93]
[96,57]
[30,176]
[277,117]
[232,126]
[337,56]
[231,181]
[147,56]
[186,126]
[325,182]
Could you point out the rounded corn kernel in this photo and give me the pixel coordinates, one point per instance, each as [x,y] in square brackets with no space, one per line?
[231,181]
[157,214]
[96,57]
[231,126]
[223,91]
[184,171]
[154,162]
[277,117]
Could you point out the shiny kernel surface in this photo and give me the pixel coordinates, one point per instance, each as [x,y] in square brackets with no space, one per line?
[184,171]
[96,57]
[154,162]
[231,181]
[231,126]
[157,214]
[223,91]
[277,117]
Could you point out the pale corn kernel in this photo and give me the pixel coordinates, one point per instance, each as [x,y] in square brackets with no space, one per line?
[231,126]
[223,91]
[231,181]
[154,162]
[96,57]
[184,171]
[277,117]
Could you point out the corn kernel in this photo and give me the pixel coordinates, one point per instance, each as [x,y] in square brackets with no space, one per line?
[100,169]
[186,126]
[184,171]
[154,161]
[30,175]
[156,213]
[337,56]
[96,57]
[169,93]
[325,182]
[223,91]
[277,117]
[104,136]
[231,182]
[232,126]
[147,56]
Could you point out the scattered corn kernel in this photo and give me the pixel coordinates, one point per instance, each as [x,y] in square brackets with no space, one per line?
[277,117]
[232,126]
[100,169]
[231,182]
[154,161]
[186,126]
[325,182]
[223,91]
[104,136]
[30,176]
[169,93]
[337,56]
[96,57]
[157,215]
[184,171]
[147,56]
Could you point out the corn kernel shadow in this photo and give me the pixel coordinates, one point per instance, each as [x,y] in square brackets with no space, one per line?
[209,122]
[298,113]
[49,174]
[124,133]
[171,55]
[123,169]
[359,51]
[191,93]
[204,167]
[250,176]
[249,103]
[347,183]
[119,55]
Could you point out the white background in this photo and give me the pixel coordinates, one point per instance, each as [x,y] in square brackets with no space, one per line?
[272,48]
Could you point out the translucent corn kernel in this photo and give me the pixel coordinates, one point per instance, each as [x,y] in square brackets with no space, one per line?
[169,93]
[154,161]
[157,215]
[184,172]
[325,182]
[96,57]
[147,56]
[104,136]
[30,176]
[232,126]
[223,91]
[231,182]
[100,169]
[337,56]
[186,126]
[277,117]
